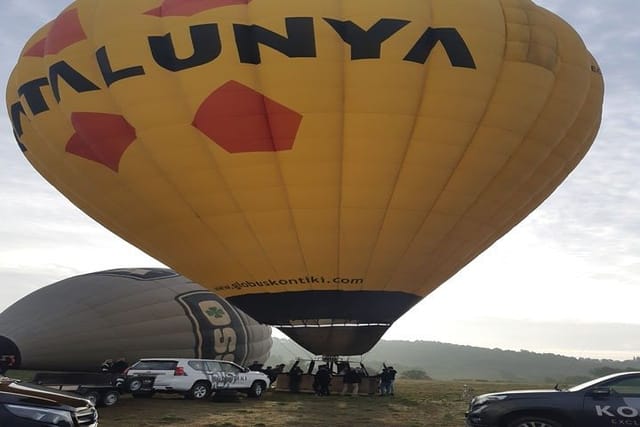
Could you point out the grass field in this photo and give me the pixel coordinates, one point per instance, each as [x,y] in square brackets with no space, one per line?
[416,403]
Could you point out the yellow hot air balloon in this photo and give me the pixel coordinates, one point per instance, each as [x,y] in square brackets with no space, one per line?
[323,164]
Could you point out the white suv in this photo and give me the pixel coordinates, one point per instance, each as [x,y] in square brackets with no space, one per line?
[195,378]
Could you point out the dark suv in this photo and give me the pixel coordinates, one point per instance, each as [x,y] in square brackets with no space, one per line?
[608,401]
[29,405]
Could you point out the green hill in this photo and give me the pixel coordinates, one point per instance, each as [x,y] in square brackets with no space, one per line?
[450,361]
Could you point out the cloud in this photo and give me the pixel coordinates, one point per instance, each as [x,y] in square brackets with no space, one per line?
[23,19]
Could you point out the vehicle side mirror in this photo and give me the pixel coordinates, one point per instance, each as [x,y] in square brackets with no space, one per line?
[601,391]
[246,370]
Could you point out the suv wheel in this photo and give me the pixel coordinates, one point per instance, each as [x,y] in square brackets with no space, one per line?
[134,384]
[109,398]
[534,421]
[257,389]
[199,391]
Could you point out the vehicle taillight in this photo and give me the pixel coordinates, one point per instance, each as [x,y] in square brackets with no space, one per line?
[179,372]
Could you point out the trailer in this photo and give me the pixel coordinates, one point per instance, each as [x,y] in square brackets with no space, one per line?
[101,389]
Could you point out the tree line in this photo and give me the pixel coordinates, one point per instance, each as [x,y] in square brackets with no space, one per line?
[442,361]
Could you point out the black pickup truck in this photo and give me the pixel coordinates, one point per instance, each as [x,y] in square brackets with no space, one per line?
[613,400]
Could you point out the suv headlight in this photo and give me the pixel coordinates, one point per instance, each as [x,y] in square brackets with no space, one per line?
[43,415]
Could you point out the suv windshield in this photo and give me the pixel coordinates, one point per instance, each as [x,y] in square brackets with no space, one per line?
[198,365]
[228,367]
[155,365]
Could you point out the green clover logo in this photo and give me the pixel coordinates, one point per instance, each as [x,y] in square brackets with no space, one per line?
[215,312]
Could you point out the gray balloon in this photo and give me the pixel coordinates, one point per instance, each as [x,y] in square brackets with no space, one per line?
[77,323]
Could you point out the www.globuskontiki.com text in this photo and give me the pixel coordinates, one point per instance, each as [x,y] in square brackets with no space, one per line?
[307,280]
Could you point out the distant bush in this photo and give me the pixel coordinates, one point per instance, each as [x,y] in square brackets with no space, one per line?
[415,374]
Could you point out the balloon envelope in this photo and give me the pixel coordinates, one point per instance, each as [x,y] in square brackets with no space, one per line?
[322,164]
[77,323]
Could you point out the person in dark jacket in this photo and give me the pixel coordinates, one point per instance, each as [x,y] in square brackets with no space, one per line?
[6,362]
[392,378]
[268,371]
[387,378]
[295,377]
[273,375]
[357,380]
[385,381]
[322,381]
[352,379]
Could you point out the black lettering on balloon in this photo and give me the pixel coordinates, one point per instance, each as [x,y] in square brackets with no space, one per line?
[77,81]
[109,74]
[32,92]
[366,44]
[300,41]
[206,47]
[224,340]
[16,111]
[453,43]
[22,147]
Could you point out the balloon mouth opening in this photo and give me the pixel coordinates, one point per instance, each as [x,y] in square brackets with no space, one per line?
[336,340]
[9,352]
[340,323]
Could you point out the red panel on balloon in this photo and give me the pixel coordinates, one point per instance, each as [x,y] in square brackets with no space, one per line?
[37,49]
[241,120]
[65,31]
[100,137]
[190,7]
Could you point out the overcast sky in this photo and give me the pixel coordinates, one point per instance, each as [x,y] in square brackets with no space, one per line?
[566,280]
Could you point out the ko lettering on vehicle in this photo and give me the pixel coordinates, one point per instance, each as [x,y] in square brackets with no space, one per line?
[625,414]
[218,330]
